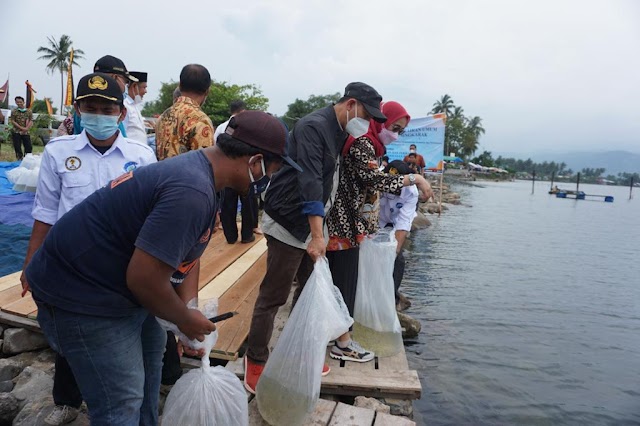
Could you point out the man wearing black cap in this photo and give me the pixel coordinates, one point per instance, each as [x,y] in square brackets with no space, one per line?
[72,168]
[134,123]
[130,252]
[114,68]
[295,207]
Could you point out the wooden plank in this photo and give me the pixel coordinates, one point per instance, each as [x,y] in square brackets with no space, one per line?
[17,321]
[348,415]
[22,307]
[218,256]
[383,419]
[231,341]
[241,297]
[11,295]
[396,362]
[320,416]
[401,384]
[229,276]
[10,280]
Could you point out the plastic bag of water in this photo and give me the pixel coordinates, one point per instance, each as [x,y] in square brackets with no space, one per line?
[376,322]
[205,396]
[289,387]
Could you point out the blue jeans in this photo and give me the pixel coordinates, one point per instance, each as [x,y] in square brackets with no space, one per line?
[117,362]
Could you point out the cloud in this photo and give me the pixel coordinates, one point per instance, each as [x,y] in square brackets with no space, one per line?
[540,74]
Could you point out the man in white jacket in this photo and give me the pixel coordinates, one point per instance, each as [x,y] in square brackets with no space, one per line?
[134,123]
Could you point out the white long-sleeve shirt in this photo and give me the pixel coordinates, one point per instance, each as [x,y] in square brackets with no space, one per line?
[399,210]
[72,169]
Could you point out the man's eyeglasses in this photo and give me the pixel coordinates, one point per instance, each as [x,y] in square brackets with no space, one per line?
[397,129]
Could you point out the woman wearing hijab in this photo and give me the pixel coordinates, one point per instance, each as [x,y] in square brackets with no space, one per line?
[347,225]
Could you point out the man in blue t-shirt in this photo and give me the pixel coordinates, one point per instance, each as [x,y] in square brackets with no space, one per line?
[130,252]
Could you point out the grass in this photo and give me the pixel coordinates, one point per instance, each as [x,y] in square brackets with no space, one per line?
[7,153]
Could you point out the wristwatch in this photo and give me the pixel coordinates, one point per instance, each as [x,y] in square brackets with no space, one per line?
[412,179]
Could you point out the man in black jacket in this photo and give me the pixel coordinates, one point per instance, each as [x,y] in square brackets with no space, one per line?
[295,206]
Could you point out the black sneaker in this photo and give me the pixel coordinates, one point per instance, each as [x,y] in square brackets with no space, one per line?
[353,352]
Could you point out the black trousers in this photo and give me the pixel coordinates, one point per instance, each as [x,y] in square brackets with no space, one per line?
[228,211]
[398,272]
[171,369]
[18,141]
[344,271]
[65,388]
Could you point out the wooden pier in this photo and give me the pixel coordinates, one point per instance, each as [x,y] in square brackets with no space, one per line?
[233,273]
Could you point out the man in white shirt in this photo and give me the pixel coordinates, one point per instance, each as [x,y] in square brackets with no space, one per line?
[72,168]
[398,211]
[134,123]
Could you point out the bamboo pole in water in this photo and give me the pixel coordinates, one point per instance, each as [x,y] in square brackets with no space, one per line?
[578,184]
[631,187]
[533,182]
[553,175]
[441,183]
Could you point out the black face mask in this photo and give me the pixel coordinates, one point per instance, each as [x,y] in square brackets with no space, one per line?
[257,187]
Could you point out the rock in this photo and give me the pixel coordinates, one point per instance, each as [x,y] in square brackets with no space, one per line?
[34,413]
[6,386]
[403,303]
[10,368]
[420,222]
[410,327]
[9,408]
[372,404]
[1,344]
[400,407]
[17,340]
[32,385]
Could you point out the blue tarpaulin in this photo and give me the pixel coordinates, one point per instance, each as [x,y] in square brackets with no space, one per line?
[15,222]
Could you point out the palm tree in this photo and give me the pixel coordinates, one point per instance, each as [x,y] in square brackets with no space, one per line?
[57,53]
[458,112]
[475,125]
[444,105]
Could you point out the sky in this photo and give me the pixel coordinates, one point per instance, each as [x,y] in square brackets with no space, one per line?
[544,75]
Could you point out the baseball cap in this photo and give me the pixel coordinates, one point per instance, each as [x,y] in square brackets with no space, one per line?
[99,85]
[262,131]
[111,65]
[397,167]
[368,97]
[141,76]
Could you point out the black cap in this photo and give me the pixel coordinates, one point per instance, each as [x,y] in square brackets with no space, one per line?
[99,85]
[112,65]
[262,131]
[368,97]
[397,167]
[141,76]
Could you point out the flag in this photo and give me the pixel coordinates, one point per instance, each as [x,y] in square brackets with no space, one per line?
[31,95]
[4,95]
[68,100]
[49,108]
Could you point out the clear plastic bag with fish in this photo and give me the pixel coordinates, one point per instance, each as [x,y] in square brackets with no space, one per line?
[289,387]
[376,324]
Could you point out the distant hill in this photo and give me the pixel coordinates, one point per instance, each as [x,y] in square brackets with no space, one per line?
[613,161]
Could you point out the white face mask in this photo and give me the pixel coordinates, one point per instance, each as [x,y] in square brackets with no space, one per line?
[137,99]
[386,136]
[357,126]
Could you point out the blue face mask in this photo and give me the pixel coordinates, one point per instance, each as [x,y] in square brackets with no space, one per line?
[99,126]
[257,187]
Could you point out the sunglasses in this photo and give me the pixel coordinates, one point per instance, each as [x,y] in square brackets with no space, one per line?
[397,129]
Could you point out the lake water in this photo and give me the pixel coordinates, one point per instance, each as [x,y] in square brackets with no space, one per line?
[530,308]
